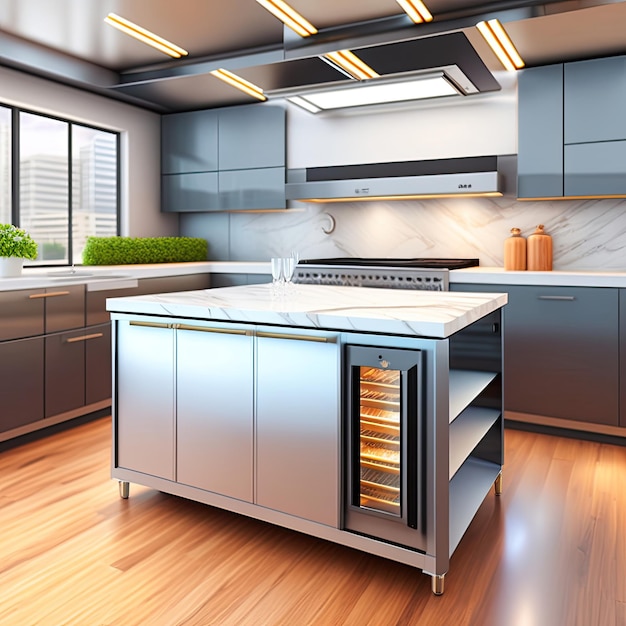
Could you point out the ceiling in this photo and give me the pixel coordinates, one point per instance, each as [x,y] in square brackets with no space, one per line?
[68,41]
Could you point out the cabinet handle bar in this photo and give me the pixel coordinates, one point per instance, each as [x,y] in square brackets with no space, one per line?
[205,329]
[51,294]
[296,337]
[556,298]
[151,324]
[85,337]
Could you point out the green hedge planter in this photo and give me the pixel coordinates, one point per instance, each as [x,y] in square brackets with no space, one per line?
[138,250]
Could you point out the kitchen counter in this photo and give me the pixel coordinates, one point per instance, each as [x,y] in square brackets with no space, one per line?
[560,278]
[386,311]
[33,278]
[239,399]
[92,275]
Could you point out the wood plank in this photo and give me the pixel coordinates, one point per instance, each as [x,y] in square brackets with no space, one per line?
[550,550]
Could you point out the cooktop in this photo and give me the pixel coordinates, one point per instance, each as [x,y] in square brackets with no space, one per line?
[451,264]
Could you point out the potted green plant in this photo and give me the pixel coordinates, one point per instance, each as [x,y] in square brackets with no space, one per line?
[15,246]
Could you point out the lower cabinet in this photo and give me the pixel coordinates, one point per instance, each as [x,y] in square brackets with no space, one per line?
[622,357]
[145,398]
[77,369]
[232,411]
[214,410]
[297,417]
[21,382]
[561,351]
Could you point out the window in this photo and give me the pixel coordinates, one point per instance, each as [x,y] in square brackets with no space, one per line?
[59,181]
[5,165]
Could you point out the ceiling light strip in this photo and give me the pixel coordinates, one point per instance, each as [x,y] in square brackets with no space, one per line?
[145,36]
[289,16]
[351,63]
[240,83]
[501,44]
[416,10]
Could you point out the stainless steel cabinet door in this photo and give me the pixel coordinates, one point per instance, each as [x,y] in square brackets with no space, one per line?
[144,412]
[297,427]
[215,410]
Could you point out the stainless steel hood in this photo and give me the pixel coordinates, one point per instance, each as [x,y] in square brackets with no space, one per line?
[483,176]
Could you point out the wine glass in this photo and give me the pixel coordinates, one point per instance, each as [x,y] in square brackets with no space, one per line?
[289,266]
[277,275]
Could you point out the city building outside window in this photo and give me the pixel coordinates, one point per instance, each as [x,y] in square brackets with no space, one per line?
[59,181]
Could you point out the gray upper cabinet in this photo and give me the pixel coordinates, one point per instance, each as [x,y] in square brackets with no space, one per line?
[224,159]
[193,192]
[262,188]
[595,100]
[595,169]
[252,137]
[189,142]
[572,129]
[540,140]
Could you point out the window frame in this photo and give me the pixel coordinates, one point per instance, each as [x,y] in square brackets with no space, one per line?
[15,173]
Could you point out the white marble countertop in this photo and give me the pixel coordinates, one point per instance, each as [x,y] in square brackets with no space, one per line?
[39,277]
[33,278]
[359,309]
[554,278]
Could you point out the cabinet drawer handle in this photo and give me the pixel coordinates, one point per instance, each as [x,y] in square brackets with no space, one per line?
[50,294]
[151,324]
[295,337]
[205,329]
[84,337]
[556,298]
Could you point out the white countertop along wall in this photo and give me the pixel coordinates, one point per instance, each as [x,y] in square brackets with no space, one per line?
[555,278]
[108,276]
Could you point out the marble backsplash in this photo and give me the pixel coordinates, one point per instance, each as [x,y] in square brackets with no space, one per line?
[587,234]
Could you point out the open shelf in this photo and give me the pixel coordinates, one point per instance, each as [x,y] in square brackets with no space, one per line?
[465,385]
[468,489]
[466,432]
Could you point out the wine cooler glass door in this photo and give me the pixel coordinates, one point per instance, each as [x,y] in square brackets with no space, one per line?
[380,440]
[383,439]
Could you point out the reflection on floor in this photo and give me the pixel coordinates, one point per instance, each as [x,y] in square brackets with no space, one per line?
[551,551]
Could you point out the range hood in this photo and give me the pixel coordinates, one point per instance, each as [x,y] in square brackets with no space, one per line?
[406,180]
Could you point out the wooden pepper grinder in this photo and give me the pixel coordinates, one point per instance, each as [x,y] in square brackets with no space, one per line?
[515,251]
[539,251]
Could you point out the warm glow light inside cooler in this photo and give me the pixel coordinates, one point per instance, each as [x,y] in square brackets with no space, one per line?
[379,408]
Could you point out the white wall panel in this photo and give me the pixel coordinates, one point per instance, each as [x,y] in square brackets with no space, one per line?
[447,127]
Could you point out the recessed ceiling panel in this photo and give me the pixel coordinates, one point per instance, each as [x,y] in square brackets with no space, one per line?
[430,52]
[188,93]
[292,74]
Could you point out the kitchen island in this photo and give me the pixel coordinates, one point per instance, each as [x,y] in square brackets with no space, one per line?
[255,403]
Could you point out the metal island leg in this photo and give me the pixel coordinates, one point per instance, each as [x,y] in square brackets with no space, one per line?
[124,489]
[437,584]
[497,485]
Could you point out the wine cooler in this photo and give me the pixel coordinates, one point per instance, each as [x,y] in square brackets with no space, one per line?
[384,494]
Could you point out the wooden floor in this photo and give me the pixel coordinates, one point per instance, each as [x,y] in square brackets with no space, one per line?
[551,551]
